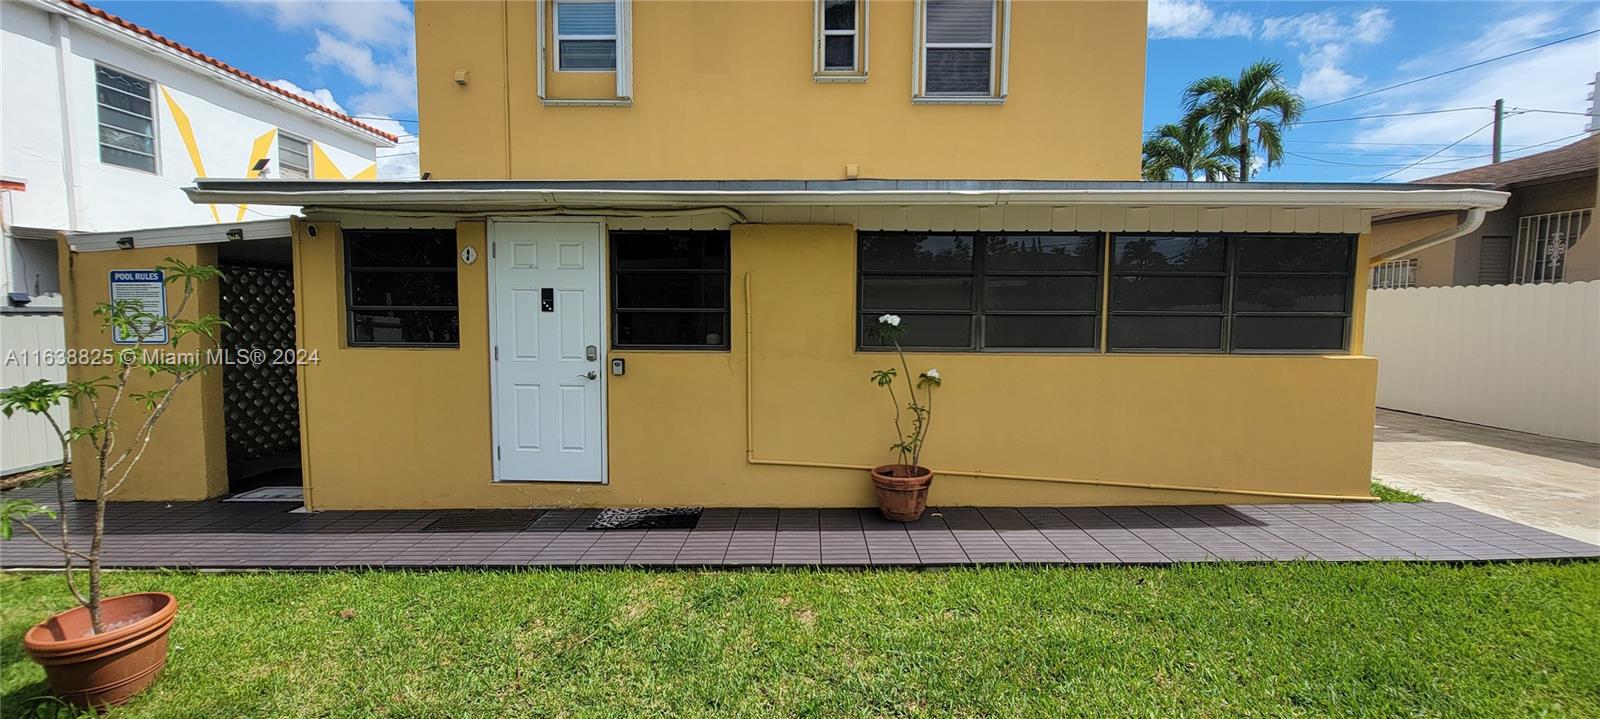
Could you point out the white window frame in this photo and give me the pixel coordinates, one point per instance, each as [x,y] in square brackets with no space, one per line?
[283,136]
[858,71]
[624,71]
[155,120]
[613,37]
[999,47]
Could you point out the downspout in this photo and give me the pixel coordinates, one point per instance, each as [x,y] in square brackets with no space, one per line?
[750,448]
[61,38]
[1468,225]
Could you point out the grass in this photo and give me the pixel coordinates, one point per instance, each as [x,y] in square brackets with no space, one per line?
[1386,493]
[1295,639]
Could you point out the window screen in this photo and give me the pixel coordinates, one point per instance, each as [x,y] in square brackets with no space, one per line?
[1240,293]
[986,291]
[400,288]
[294,157]
[126,106]
[958,47]
[669,290]
[586,36]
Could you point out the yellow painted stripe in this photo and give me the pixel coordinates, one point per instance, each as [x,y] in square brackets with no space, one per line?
[258,151]
[322,167]
[371,173]
[181,119]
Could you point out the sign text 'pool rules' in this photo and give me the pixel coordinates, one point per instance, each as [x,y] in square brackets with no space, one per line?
[148,289]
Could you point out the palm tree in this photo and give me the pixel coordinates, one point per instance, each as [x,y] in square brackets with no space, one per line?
[1259,102]
[1190,148]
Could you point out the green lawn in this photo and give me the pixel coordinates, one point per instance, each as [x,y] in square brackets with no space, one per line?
[1386,493]
[1370,640]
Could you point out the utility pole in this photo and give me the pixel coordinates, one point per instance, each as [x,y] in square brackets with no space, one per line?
[1499,122]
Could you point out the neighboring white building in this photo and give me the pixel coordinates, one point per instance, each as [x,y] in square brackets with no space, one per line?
[104,121]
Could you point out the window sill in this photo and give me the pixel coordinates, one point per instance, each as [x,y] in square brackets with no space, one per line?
[958,100]
[555,102]
[828,79]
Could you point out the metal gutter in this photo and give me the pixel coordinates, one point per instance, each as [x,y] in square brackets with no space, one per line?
[1468,224]
[183,235]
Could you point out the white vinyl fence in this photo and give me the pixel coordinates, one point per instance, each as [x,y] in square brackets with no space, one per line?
[1522,357]
[27,340]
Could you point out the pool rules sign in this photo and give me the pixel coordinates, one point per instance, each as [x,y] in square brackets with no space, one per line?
[147,289]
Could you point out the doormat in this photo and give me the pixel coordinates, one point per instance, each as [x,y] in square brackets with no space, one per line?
[270,494]
[484,520]
[648,518]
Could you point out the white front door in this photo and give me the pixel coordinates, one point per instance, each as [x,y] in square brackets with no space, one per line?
[547,314]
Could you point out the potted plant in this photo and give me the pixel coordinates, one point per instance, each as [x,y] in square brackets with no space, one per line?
[902,488]
[108,649]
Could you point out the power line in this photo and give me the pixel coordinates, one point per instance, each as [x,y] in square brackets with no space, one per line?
[1454,70]
[1390,114]
[1436,153]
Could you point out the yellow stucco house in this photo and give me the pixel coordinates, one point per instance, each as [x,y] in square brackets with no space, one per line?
[651,233]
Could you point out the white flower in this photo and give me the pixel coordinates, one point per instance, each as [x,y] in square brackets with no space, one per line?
[891,320]
[931,373]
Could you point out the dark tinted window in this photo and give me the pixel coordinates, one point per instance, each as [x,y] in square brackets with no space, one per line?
[400,288]
[1029,291]
[669,290]
[1248,293]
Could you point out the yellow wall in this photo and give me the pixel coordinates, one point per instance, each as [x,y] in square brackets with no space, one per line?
[389,428]
[724,90]
[187,456]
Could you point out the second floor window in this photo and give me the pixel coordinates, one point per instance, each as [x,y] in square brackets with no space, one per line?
[586,36]
[294,157]
[958,48]
[126,105]
[839,33]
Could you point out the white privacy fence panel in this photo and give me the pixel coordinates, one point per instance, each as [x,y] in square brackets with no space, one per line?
[1521,357]
[30,343]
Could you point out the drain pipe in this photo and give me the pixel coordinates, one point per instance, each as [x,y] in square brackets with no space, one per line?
[1468,225]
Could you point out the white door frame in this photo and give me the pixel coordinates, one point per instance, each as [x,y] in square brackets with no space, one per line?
[604,349]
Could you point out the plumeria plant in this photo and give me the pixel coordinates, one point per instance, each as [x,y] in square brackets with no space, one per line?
[909,446]
[115,450]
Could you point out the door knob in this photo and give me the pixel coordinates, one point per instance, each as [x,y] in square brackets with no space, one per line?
[591,374]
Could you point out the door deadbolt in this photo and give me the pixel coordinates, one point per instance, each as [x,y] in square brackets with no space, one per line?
[591,353]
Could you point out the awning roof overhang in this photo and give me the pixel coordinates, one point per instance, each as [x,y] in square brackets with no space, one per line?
[277,228]
[490,195]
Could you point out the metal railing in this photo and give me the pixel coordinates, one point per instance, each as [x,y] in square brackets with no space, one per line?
[1394,274]
[1542,243]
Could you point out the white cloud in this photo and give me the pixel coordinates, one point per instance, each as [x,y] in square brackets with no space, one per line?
[1191,19]
[391,86]
[322,96]
[382,23]
[1328,37]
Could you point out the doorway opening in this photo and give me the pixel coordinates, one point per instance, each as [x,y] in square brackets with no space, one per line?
[260,394]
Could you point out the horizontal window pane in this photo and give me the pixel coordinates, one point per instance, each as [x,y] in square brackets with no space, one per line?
[586,18]
[124,140]
[1290,294]
[960,20]
[588,54]
[839,52]
[696,329]
[893,294]
[1040,332]
[958,71]
[1288,333]
[659,290]
[953,331]
[839,14]
[404,327]
[126,83]
[127,159]
[124,121]
[1167,293]
[401,248]
[916,252]
[403,288]
[1043,253]
[290,172]
[1183,253]
[1293,254]
[669,250]
[1176,333]
[137,105]
[1040,293]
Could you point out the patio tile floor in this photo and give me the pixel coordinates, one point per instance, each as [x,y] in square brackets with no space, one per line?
[237,536]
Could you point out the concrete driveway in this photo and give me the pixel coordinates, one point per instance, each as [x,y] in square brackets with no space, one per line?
[1553,484]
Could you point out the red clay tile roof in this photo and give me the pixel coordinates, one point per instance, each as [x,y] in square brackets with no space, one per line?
[225,67]
[1576,157]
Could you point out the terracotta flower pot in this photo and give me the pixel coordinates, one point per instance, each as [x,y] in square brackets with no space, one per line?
[902,491]
[91,670]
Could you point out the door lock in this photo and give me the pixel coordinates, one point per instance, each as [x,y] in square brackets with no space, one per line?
[591,353]
[591,374]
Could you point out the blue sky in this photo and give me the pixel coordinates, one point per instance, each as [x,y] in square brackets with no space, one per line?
[360,56]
